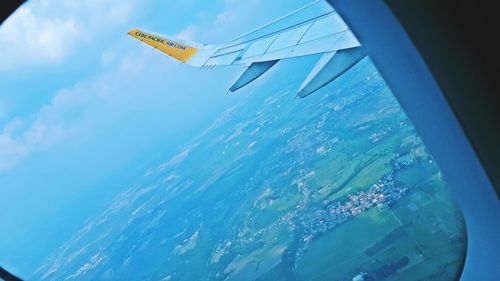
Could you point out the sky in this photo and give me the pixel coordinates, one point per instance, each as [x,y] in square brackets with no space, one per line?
[84,108]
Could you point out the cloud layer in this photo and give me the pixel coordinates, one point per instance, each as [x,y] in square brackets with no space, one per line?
[47,31]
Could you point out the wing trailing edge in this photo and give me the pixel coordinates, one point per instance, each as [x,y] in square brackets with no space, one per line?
[252,72]
[329,67]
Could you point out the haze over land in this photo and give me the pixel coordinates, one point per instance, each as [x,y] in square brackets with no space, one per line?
[325,188]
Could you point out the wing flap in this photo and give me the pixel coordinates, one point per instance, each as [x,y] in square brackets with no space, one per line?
[254,71]
[328,68]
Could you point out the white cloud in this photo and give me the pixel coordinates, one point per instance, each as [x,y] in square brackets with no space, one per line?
[188,33]
[47,31]
[19,138]
[75,111]
[27,37]
[223,18]
[10,151]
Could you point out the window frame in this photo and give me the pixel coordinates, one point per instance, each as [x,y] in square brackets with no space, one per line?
[404,70]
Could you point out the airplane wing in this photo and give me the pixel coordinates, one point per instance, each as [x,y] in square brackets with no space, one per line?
[314,29]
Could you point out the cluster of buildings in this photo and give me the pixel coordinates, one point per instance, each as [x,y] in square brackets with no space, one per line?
[380,195]
[375,137]
[403,162]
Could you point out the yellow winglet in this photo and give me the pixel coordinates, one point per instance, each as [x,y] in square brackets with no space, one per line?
[179,51]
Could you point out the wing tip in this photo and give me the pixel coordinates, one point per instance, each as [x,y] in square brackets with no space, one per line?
[133,30]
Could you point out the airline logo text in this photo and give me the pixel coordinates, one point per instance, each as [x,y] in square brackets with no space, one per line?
[161,41]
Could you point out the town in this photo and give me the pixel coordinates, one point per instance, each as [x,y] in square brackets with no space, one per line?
[381,195]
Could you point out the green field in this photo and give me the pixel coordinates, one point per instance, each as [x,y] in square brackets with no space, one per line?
[423,226]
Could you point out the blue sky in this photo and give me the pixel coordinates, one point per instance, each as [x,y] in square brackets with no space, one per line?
[84,108]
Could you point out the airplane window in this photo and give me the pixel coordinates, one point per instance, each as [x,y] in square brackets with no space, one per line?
[117,162]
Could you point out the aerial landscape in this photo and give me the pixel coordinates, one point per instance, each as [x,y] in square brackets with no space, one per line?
[336,186]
